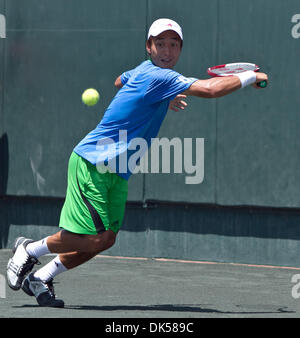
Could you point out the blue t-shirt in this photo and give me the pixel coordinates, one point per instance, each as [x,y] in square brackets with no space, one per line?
[135,114]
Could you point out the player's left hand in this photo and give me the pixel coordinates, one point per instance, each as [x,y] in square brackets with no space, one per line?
[178,103]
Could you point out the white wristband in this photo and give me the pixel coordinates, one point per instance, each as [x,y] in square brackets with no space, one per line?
[246,78]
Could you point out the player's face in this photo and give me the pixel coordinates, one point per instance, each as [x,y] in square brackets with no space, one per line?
[164,49]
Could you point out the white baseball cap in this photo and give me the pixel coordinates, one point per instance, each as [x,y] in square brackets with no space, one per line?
[162,25]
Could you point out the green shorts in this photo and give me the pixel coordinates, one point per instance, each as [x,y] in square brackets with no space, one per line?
[94,202]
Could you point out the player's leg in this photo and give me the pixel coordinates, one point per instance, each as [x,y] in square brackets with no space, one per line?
[94,218]
[26,251]
[66,241]
[73,259]
[39,283]
[70,260]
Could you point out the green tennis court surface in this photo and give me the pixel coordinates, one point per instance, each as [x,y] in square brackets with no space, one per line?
[114,287]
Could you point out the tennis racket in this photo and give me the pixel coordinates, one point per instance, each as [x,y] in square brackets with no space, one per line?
[230,69]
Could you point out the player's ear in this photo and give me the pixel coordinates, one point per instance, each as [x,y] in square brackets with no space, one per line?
[148,45]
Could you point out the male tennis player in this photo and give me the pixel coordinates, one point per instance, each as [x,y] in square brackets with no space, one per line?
[95,201]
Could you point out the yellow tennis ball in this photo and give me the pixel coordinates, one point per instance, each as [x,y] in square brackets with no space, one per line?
[90,97]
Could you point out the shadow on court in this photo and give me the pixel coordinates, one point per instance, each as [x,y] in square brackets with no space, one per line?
[159,308]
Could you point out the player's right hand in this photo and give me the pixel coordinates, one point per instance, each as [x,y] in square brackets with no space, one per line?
[259,78]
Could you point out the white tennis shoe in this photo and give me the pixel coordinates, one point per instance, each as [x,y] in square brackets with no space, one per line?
[20,264]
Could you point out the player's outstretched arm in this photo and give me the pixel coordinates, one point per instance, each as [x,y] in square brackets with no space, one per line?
[218,86]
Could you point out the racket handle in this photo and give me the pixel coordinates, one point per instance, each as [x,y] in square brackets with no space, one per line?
[262,84]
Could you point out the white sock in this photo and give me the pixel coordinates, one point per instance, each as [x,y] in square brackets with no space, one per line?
[50,270]
[38,248]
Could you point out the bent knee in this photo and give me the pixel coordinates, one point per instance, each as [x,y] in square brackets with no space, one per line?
[109,241]
[104,241]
